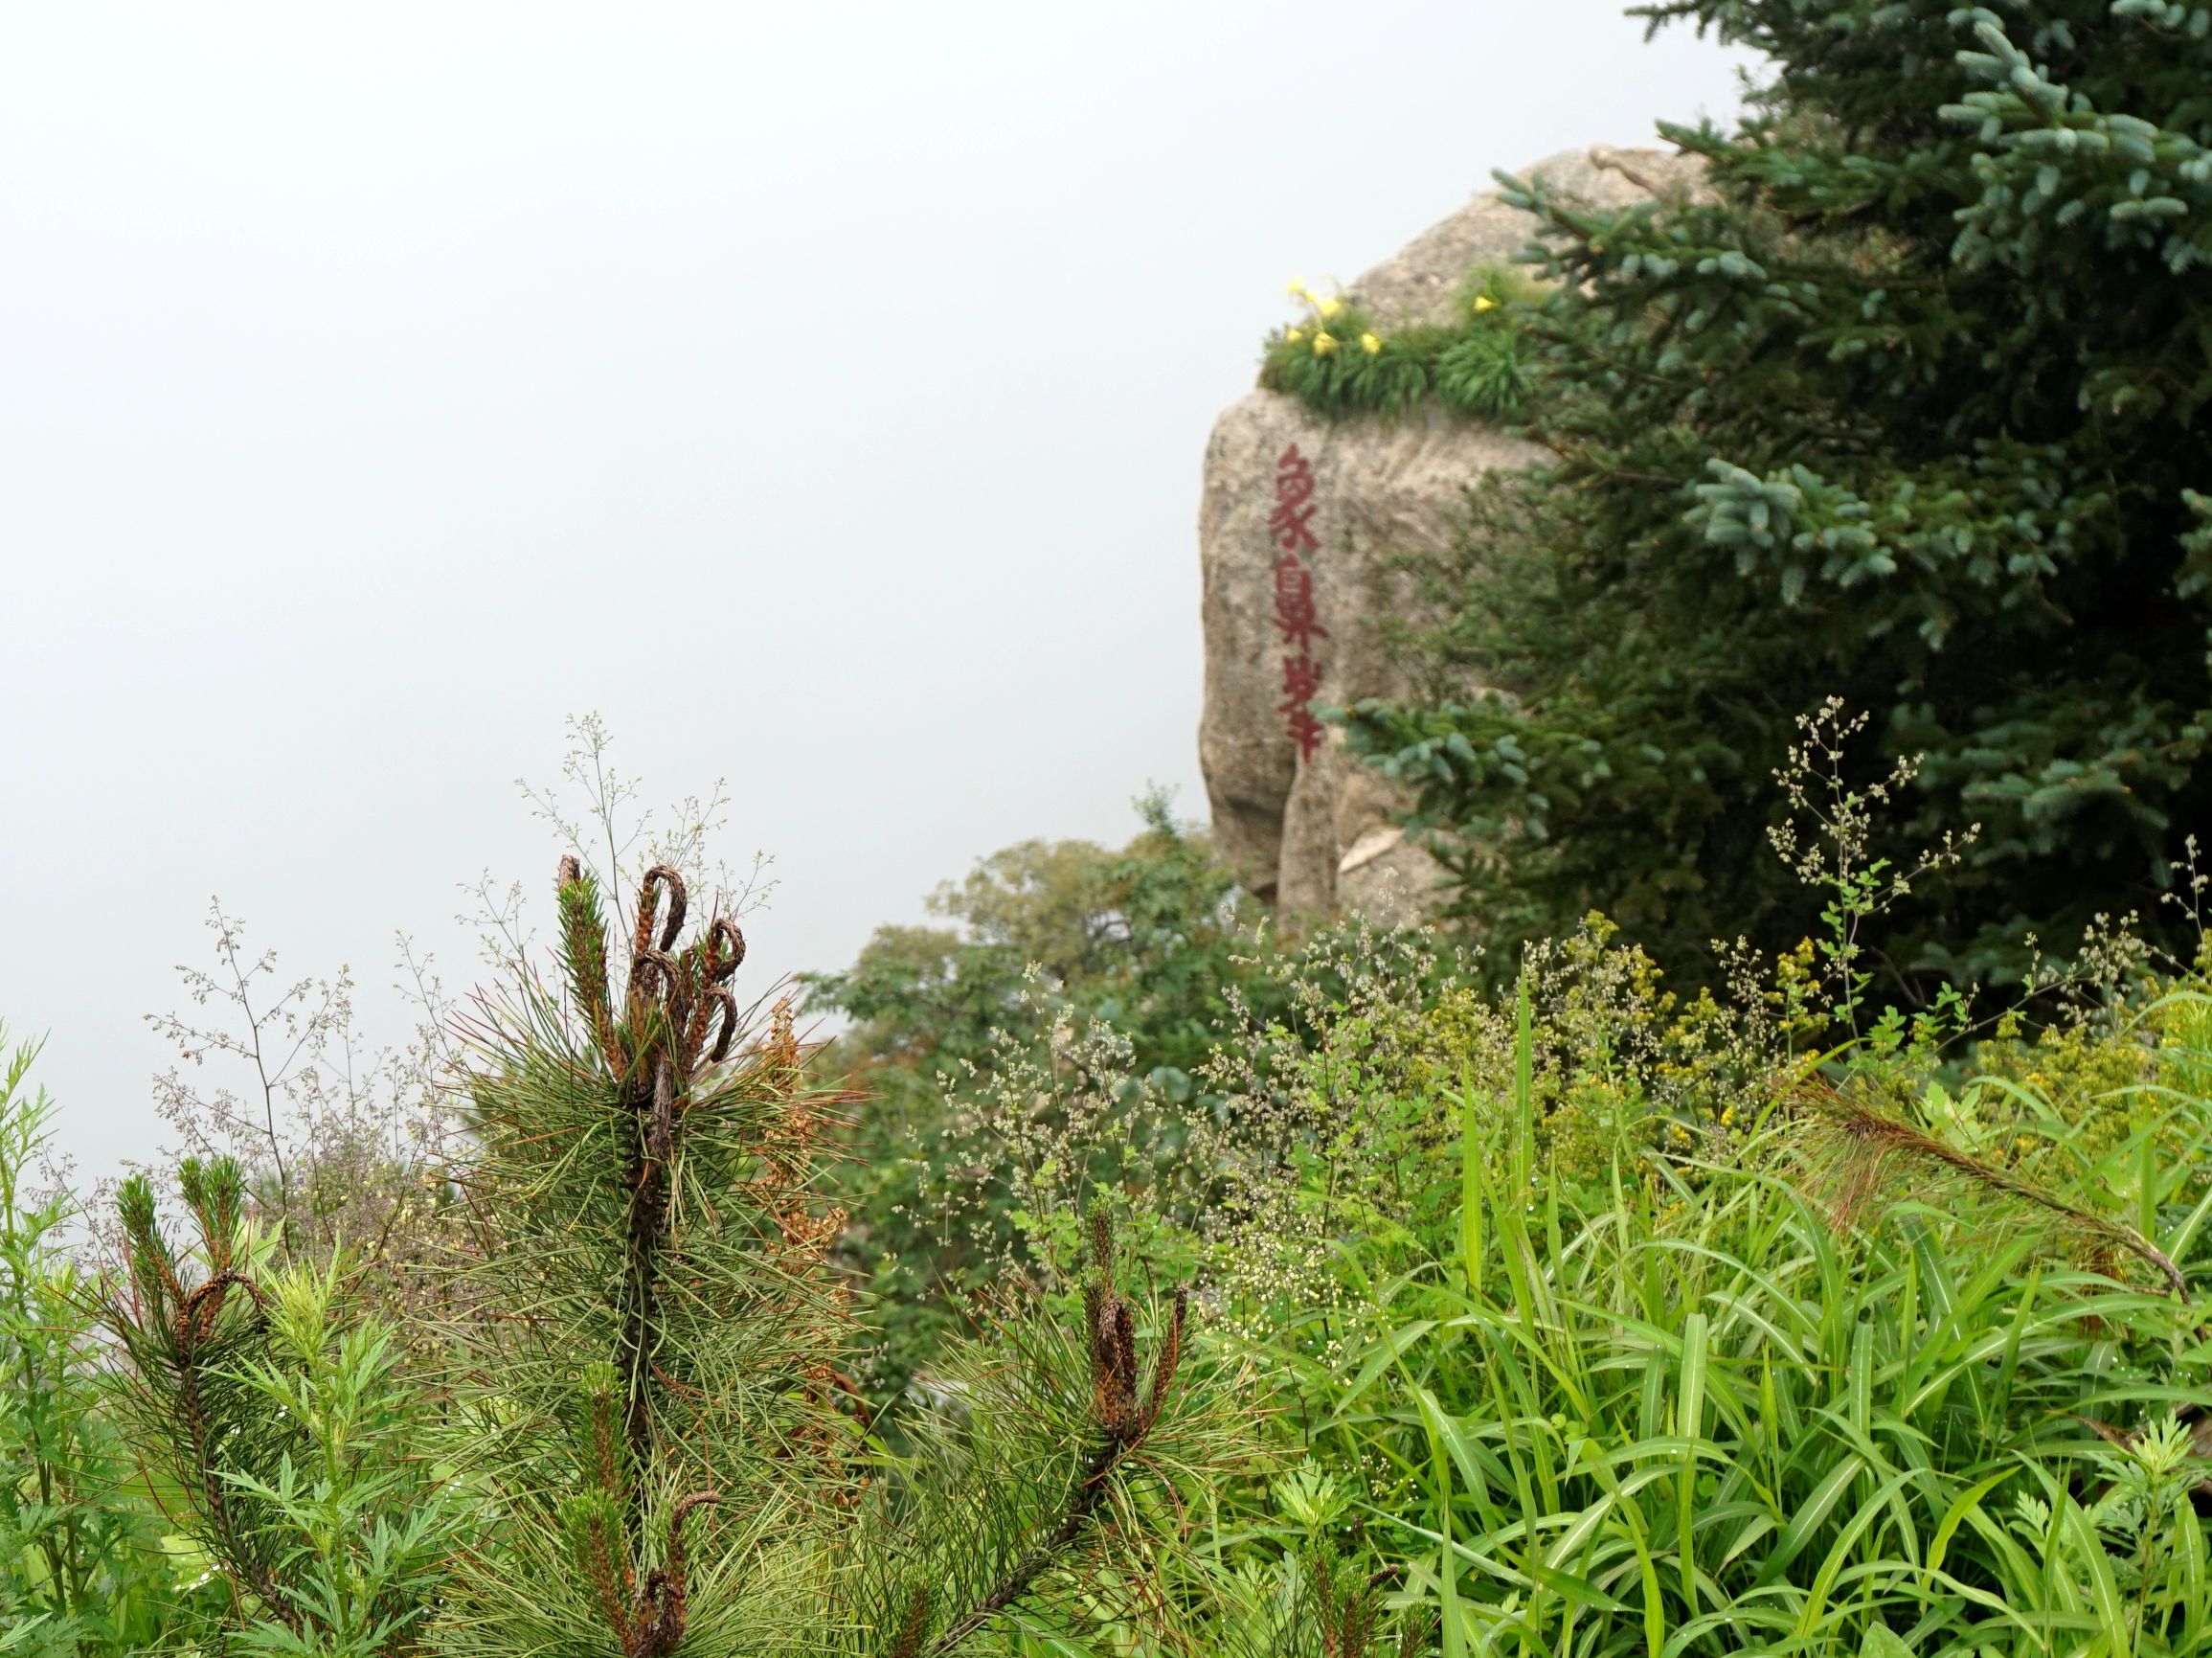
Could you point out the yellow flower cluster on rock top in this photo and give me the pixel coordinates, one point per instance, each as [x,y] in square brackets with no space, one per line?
[1326,308]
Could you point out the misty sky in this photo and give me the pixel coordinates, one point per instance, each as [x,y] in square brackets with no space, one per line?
[817,392]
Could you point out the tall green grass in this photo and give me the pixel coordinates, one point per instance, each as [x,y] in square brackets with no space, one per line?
[1689,1414]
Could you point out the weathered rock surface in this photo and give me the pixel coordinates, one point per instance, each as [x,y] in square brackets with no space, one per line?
[1299,822]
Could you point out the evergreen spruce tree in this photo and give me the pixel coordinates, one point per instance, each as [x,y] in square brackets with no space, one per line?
[637,1445]
[1906,406]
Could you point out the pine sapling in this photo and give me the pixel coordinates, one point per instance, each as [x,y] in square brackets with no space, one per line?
[659,1399]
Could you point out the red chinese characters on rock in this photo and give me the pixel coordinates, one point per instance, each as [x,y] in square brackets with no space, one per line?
[1301,679]
[1291,527]
[1291,523]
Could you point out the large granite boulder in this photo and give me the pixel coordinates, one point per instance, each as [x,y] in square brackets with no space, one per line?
[1299,518]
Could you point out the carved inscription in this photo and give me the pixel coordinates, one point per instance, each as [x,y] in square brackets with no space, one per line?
[1290,526]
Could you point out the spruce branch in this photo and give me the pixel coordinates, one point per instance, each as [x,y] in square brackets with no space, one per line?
[1419,1628]
[215,1194]
[153,1269]
[1089,1489]
[592,1531]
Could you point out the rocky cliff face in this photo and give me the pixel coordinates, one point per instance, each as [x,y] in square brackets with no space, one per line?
[1299,518]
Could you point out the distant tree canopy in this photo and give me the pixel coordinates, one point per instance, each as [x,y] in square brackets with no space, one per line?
[1150,939]
[1143,937]
[1907,408]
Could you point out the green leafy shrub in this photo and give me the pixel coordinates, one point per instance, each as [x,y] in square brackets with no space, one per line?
[86,1564]
[283,1427]
[1151,940]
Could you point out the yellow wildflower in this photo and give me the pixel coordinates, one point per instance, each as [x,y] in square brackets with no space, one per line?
[1370,343]
[1328,308]
[1297,289]
[1324,343]
[1484,303]
[1295,335]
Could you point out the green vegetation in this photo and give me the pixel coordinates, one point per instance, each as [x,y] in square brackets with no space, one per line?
[1151,942]
[1399,1316]
[1911,412]
[88,1566]
[281,1431]
[1338,363]
[1597,1317]
[1821,1382]
[1124,1279]
[630,1438]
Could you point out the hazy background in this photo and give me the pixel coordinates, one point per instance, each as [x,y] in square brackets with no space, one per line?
[817,392]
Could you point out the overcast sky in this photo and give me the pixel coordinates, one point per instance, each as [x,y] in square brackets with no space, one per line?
[816,390]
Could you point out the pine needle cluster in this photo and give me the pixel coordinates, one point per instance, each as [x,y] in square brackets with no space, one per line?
[1347,1612]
